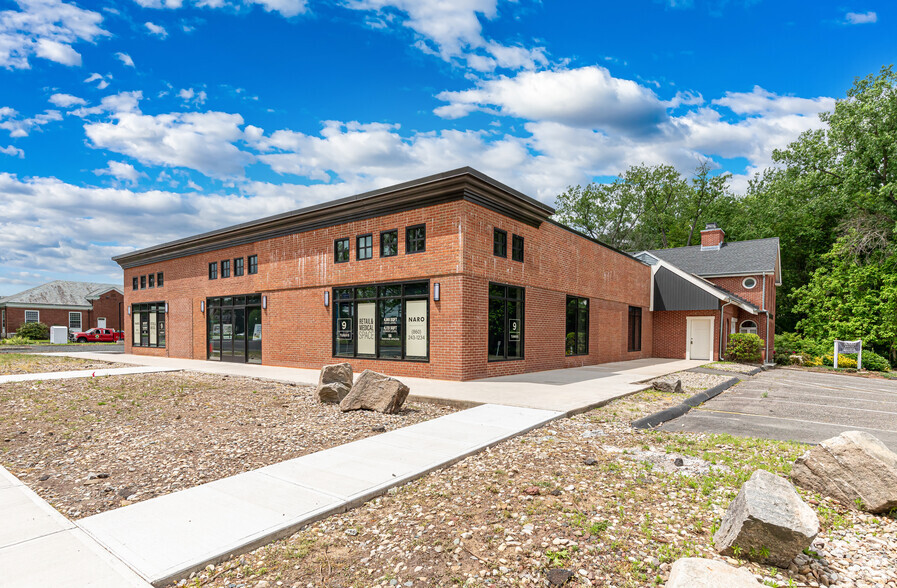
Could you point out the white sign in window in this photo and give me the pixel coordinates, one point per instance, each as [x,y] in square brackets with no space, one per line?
[152,328]
[416,328]
[367,334]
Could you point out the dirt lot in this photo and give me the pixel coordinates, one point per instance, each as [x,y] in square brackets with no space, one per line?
[90,445]
[22,363]
[587,495]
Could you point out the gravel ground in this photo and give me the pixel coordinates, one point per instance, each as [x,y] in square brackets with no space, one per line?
[586,495]
[22,363]
[693,382]
[91,445]
[741,368]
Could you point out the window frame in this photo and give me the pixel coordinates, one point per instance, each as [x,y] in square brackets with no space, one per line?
[238,267]
[135,283]
[634,336]
[348,252]
[157,308]
[745,281]
[213,270]
[748,330]
[253,265]
[36,320]
[80,326]
[369,248]
[143,282]
[152,280]
[422,239]
[160,279]
[354,299]
[588,312]
[506,299]
[396,250]
[499,242]
[515,239]
[225,268]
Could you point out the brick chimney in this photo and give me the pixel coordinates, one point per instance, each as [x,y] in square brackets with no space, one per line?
[712,237]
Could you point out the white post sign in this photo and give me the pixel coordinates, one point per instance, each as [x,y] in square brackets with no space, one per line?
[367,337]
[849,347]
[416,328]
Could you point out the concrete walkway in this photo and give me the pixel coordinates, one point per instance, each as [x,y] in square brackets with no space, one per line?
[168,537]
[569,391]
[40,547]
[84,374]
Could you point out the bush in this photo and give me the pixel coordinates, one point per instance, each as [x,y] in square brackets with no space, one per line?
[16,341]
[744,347]
[814,362]
[844,361]
[34,331]
[791,343]
[874,362]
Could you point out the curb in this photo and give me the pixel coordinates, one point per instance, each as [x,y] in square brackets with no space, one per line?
[658,418]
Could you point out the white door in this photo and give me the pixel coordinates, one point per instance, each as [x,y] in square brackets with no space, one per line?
[700,338]
[101,322]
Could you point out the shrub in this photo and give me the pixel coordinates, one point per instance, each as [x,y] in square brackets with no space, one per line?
[744,347]
[34,331]
[844,361]
[814,362]
[791,343]
[875,362]
[16,341]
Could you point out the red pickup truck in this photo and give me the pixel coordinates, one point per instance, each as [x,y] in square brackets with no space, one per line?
[99,334]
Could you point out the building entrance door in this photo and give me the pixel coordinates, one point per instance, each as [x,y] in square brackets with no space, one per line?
[234,329]
[700,337]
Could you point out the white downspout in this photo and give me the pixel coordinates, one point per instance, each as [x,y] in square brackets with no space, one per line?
[722,328]
[766,342]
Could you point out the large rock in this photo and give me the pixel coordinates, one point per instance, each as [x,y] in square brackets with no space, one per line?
[767,522]
[335,382]
[668,386]
[375,391]
[696,572]
[854,468]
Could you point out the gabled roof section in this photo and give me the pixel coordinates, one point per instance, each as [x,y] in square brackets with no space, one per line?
[461,184]
[699,283]
[733,258]
[61,293]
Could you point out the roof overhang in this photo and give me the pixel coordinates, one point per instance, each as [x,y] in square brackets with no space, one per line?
[44,306]
[460,184]
[702,284]
[97,293]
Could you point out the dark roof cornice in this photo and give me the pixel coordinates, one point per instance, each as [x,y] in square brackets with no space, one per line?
[461,184]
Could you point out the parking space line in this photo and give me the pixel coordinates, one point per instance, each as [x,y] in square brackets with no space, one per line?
[769,400]
[747,414]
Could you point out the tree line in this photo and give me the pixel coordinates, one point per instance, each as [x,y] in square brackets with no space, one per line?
[831,199]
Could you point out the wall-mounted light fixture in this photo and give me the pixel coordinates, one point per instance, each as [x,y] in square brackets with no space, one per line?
[166,308]
[436,291]
[129,310]
[202,306]
[264,302]
[326,297]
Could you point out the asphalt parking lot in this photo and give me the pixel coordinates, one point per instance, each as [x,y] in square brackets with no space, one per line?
[798,405]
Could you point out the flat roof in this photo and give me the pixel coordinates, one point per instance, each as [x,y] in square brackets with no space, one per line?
[463,183]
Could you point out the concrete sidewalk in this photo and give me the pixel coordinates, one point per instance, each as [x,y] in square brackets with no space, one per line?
[40,547]
[84,374]
[569,391]
[168,537]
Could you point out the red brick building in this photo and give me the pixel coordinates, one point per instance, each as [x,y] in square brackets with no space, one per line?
[75,305]
[452,276]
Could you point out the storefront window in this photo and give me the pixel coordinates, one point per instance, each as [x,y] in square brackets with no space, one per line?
[234,329]
[386,322]
[149,324]
[506,312]
[577,341]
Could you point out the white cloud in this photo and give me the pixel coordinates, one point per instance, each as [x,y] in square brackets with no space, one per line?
[66,100]
[46,29]
[121,171]
[191,96]
[855,18]
[760,101]
[13,151]
[155,29]
[284,7]
[452,30]
[585,97]
[121,102]
[125,58]
[101,80]
[21,127]
[160,3]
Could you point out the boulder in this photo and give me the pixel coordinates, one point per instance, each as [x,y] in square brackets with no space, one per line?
[767,522]
[697,572]
[854,468]
[335,382]
[668,386]
[375,391]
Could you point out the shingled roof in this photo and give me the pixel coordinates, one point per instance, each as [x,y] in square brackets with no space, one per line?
[734,258]
[61,293]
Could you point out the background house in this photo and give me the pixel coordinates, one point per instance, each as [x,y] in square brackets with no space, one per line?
[76,305]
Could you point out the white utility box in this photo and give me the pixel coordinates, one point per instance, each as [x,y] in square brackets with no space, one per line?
[59,335]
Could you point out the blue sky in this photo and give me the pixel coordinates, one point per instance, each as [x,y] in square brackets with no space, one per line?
[126,124]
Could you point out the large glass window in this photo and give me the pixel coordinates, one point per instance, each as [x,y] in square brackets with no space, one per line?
[387,321]
[517,248]
[389,243]
[416,239]
[505,322]
[341,250]
[577,342]
[234,328]
[253,264]
[635,328]
[75,321]
[499,243]
[225,268]
[213,270]
[238,266]
[149,324]
[364,247]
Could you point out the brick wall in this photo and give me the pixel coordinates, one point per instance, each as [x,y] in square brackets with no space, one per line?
[296,270]
[109,305]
